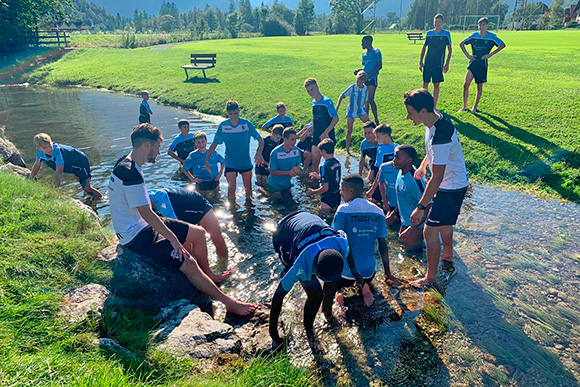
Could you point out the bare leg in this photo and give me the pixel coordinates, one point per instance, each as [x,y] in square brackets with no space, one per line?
[468,79]
[433,252]
[247,180]
[231,179]
[435,93]
[447,237]
[367,295]
[202,282]
[426,86]
[314,298]
[349,124]
[477,97]
[95,193]
[307,160]
[261,180]
[195,243]
[372,103]
[315,158]
[211,224]
[414,239]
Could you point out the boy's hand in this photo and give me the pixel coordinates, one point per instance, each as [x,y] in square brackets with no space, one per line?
[446,68]
[179,252]
[259,160]
[471,57]
[294,172]
[369,194]
[416,217]
[405,234]
[419,173]
[314,175]
[197,180]
[487,56]
[421,66]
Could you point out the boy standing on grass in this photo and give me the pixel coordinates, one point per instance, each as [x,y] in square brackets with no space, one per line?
[194,166]
[329,177]
[236,132]
[358,96]
[482,42]
[324,119]
[435,66]
[63,159]
[144,108]
[281,118]
[284,163]
[372,61]
[183,144]
[270,142]
[448,183]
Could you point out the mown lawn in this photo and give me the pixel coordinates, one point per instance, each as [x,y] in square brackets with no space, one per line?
[526,135]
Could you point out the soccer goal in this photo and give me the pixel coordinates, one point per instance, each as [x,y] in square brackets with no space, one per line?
[468,20]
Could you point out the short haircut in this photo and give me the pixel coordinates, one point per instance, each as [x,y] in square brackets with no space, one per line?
[144,92]
[310,82]
[232,105]
[369,38]
[483,20]
[419,99]
[143,133]
[369,124]
[329,264]
[327,145]
[280,105]
[438,16]
[278,129]
[41,139]
[199,134]
[408,149]
[356,182]
[361,74]
[181,123]
[288,131]
[384,128]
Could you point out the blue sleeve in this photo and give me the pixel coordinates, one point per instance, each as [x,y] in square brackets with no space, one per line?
[381,178]
[497,40]
[291,277]
[39,154]
[270,122]
[253,132]
[378,56]
[448,37]
[348,91]
[289,119]
[57,155]
[174,143]
[338,223]
[273,161]
[331,109]
[469,39]
[382,231]
[162,203]
[188,165]
[323,174]
[218,138]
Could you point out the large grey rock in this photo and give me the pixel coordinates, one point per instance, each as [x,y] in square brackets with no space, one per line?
[112,346]
[194,334]
[253,331]
[16,169]
[86,209]
[87,301]
[140,281]
[8,152]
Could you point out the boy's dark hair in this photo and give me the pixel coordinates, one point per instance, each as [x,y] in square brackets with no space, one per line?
[181,123]
[438,16]
[232,105]
[326,145]
[369,124]
[357,71]
[310,82]
[329,264]
[199,134]
[356,182]
[278,129]
[483,20]
[368,38]
[143,133]
[419,99]
[384,128]
[280,105]
[408,149]
[288,131]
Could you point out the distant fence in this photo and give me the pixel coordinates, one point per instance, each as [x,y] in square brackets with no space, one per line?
[48,37]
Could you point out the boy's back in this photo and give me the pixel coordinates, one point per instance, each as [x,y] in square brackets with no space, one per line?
[385,153]
[330,173]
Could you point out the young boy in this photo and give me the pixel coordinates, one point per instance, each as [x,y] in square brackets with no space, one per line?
[482,42]
[324,119]
[448,183]
[365,226]
[183,144]
[368,148]
[144,108]
[281,118]
[236,132]
[385,153]
[387,179]
[329,177]
[436,40]
[284,163]
[409,191]
[194,166]
[63,159]
[358,97]
[305,145]
[372,61]
[270,142]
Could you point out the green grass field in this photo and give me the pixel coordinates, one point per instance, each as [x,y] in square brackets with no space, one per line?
[526,135]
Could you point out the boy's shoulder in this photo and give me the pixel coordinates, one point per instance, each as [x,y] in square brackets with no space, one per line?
[128,171]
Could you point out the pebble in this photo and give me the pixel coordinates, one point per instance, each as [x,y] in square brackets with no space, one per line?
[559,346]
[552,291]
[489,357]
[504,370]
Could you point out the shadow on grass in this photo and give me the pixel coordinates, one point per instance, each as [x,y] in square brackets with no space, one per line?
[197,79]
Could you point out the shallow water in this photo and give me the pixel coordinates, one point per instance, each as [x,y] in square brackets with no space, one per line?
[509,315]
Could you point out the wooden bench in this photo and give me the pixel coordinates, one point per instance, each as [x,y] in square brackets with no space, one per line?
[414,36]
[200,62]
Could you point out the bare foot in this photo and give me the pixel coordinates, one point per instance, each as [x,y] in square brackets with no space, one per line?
[241,308]
[220,277]
[448,259]
[367,295]
[423,282]
[463,109]
[474,110]
[340,300]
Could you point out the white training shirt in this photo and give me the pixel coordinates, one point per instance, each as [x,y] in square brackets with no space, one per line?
[444,148]
[357,100]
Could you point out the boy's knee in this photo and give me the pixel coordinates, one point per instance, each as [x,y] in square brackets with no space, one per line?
[189,265]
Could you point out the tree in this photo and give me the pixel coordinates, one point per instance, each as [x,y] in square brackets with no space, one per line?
[233,23]
[304,19]
[392,18]
[282,12]
[348,15]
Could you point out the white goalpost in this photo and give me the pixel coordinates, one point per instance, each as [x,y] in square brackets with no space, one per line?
[467,20]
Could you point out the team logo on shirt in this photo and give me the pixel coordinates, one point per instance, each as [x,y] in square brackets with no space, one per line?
[235,129]
[284,155]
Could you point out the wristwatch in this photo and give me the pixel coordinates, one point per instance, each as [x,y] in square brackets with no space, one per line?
[421,207]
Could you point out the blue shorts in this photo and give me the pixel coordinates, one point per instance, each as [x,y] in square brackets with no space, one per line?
[353,115]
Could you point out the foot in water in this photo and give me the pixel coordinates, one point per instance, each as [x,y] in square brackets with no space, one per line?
[422,283]
[220,277]
[240,308]
[367,295]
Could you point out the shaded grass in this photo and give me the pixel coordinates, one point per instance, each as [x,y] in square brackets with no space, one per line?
[527,133]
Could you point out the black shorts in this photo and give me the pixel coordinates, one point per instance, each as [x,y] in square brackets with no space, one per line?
[332,199]
[446,207]
[372,82]
[81,169]
[316,138]
[144,119]
[347,283]
[240,171]
[207,185]
[432,74]
[479,73]
[306,144]
[154,245]
[261,171]
[190,208]
[377,195]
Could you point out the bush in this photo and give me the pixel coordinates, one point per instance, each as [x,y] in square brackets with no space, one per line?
[276,27]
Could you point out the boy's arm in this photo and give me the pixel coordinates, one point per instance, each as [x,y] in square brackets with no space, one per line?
[35,168]
[319,191]
[430,191]
[468,55]
[340,98]
[361,165]
[189,175]
[422,171]
[377,68]
[333,123]
[493,52]
[384,252]
[275,311]
[374,186]
[258,156]
[58,176]
[219,176]
[383,189]
[209,153]
[171,153]
[421,58]
[449,51]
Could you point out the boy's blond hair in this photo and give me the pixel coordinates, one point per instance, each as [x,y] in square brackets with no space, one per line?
[361,75]
[199,134]
[278,129]
[41,139]
[310,82]
[280,105]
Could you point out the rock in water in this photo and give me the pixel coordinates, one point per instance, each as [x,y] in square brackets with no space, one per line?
[83,302]
[253,330]
[8,152]
[194,334]
[16,169]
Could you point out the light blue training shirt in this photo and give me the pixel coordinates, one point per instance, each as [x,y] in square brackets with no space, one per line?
[237,140]
[195,164]
[370,60]
[388,176]
[280,160]
[357,99]
[409,191]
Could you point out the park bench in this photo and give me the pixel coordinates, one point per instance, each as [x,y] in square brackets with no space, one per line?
[200,62]
[414,36]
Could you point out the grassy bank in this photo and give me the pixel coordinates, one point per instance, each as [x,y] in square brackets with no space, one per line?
[47,247]
[527,131]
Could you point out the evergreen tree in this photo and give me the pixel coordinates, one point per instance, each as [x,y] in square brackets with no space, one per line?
[304,19]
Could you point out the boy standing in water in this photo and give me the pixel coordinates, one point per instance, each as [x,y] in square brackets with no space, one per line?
[284,163]
[358,97]
[482,43]
[436,41]
[183,144]
[236,132]
[281,118]
[372,61]
[144,108]
[385,153]
[63,159]
[194,166]
[270,142]
[329,177]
